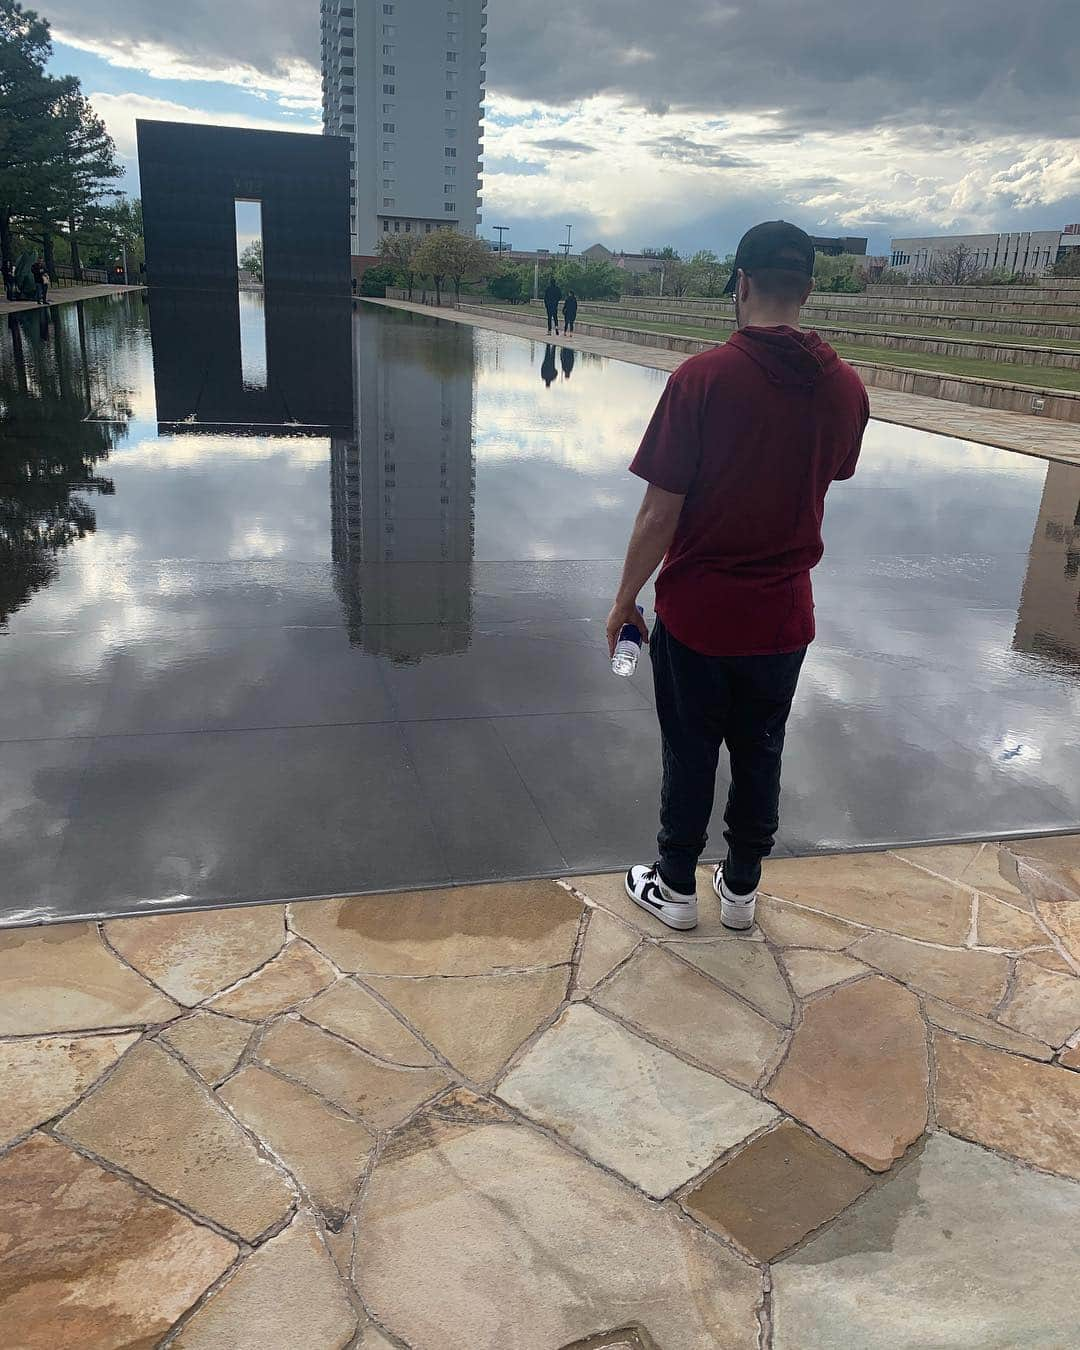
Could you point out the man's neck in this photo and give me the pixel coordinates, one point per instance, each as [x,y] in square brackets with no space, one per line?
[769,316]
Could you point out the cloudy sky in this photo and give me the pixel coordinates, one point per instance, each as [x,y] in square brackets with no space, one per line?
[646,124]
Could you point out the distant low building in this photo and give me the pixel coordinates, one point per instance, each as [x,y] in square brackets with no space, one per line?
[833,248]
[1027,252]
[640,264]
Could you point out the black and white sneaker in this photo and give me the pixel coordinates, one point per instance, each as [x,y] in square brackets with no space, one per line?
[646,888]
[736,911]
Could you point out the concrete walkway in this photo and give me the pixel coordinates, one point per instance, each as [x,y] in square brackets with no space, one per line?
[1027,435]
[65,295]
[529,1117]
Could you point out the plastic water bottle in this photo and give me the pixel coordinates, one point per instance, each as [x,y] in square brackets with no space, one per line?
[627,649]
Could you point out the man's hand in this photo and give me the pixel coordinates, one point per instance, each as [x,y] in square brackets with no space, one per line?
[623,613]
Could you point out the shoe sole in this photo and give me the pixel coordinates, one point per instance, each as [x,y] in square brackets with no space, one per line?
[658,914]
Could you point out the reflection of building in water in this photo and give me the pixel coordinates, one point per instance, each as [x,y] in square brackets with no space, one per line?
[1048,623]
[402,492]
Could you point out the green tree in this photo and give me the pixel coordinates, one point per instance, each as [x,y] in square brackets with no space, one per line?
[83,172]
[1069,265]
[252,259]
[597,281]
[839,274]
[399,251]
[449,254]
[32,132]
[506,284]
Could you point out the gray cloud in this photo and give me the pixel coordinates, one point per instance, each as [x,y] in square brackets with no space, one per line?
[850,64]
[686,151]
[559,145]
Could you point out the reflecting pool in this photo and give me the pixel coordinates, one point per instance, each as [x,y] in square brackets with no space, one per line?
[338,626]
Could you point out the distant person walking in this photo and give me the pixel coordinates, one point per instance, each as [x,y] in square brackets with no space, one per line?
[739,454]
[569,311]
[552,296]
[41,281]
[9,280]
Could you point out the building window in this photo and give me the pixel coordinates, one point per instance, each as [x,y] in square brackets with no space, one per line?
[386,227]
[449,208]
[427,229]
[447,189]
[408,227]
[388,9]
[451,171]
[451,115]
[388,184]
[389,88]
[451,152]
[388,147]
[397,224]
[451,56]
[387,49]
[452,16]
[388,29]
[451,93]
[389,70]
[387,164]
[388,201]
[388,126]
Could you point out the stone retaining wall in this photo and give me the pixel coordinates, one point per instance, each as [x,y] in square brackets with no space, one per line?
[1054,404]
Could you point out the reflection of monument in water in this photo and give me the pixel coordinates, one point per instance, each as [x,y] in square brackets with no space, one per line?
[1048,623]
[402,489]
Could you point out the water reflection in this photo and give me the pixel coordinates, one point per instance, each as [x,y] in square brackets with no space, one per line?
[1048,624]
[49,451]
[305,378]
[403,490]
[548,371]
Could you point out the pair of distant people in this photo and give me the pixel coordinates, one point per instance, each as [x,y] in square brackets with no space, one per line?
[552,295]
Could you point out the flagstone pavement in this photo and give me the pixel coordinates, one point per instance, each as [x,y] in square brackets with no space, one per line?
[527,1117]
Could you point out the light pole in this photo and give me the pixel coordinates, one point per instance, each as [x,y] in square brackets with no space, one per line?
[500,230]
[566,246]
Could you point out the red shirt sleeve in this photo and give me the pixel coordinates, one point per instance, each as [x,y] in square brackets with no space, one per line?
[847,469]
[670,451]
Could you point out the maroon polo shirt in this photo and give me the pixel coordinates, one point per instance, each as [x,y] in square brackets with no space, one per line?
[752,433]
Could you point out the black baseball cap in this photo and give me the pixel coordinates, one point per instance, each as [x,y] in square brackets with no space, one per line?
[773,243]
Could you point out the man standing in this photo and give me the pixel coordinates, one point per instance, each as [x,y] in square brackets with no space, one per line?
[552,296]
[738,456]
[9,280]
[41,281]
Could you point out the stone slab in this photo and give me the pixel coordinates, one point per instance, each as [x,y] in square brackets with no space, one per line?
[948,1018]
[192,956]
[42,1075]
[876,889]
[974,981]
[930,1259]
[1043,1003]
[629,1104]
[286,1294]
[211,1044]
[63,978]
[1062,917]
[1015,1105]
[324,1149]
[152,1118]
[350,1010]
[780,1187]
[673,1003]
[535,1249]
[607,942]
[298,972]
[472,930]
[857,1071]
[1002,925]
[746,968]
[477,1022]
[1056,862]
[811,971]
[791,926]
[381,1095]
[88,1261]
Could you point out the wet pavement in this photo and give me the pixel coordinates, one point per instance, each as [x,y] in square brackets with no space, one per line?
[318,607]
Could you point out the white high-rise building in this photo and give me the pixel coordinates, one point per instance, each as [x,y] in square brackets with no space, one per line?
[404,81]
